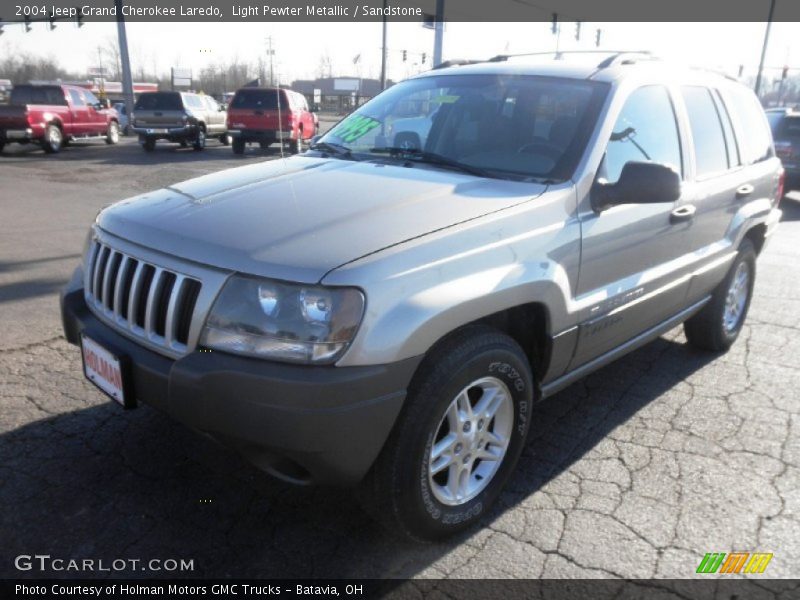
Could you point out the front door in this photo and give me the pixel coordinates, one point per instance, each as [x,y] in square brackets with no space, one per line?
[632,275]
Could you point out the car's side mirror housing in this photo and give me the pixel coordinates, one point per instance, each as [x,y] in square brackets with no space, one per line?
[639,183]
[315,139]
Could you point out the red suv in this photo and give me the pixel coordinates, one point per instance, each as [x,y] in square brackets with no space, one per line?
[268,115]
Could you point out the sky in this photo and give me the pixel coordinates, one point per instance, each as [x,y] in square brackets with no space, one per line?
[299,46]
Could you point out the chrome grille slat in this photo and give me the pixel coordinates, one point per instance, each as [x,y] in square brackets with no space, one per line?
[152,293]
[122,272]
[114,278]
[133,296]
[174,298]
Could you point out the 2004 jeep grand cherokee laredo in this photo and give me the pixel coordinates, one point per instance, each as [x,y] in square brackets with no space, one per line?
[385,308]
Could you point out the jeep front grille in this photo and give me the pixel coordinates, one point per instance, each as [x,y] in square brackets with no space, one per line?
[143,299]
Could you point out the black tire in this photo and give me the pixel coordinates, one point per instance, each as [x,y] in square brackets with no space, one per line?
[264,145]
[184,144]
[127,131]
[2,145]
[149,144]
[53,139]
[199,140]
[399,490]
[225,139]
[296,146]
[238,146]
[708,329]
[112,134]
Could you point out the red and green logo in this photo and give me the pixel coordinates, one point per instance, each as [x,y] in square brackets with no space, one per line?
[735,562]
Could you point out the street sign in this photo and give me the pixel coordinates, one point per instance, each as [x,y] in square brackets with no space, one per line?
[181,77]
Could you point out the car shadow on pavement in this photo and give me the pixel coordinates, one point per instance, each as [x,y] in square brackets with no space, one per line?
[100,482]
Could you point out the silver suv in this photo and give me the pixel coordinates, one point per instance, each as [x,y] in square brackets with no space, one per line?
[182,117]
[385,308]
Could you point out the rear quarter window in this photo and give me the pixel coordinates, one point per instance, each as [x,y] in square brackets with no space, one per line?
[752,129]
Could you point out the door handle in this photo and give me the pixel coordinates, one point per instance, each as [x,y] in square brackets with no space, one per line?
[744,190]
[683,213]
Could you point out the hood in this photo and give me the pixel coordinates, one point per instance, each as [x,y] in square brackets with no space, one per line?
[299,218]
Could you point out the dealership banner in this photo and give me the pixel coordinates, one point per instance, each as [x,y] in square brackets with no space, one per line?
[19,11]
[398,589]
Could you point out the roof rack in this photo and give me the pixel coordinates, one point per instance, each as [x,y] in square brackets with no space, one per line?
[617,57]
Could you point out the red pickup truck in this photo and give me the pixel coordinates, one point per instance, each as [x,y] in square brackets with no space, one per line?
[52,115]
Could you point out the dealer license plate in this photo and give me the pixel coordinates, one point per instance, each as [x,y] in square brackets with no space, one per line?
[104,369]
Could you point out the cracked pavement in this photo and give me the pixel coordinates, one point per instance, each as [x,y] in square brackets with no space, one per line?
[637,471]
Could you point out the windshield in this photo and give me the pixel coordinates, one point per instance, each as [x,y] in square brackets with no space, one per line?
[514,125]
[159,101]
[259,100]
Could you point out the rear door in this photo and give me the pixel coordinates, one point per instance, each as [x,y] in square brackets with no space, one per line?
[632,276]
[159,110]
[215,118]
[96,117]
[81,123]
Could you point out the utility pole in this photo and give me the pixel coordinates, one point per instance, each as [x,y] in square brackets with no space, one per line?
[383,50]
[271,52]
[764,49]
[127,79]
[438,33]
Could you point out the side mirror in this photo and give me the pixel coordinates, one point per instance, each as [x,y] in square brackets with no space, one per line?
[639,183]
[314,140]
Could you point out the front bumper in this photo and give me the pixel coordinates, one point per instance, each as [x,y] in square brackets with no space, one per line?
[304,424]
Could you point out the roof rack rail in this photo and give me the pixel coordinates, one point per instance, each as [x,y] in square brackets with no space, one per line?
[627,57]
[719,72]
[456,62]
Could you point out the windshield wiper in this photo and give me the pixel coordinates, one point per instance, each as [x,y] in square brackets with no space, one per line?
[431,158]
[334,149]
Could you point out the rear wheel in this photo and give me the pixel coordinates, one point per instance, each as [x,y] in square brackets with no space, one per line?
[264,145]
[458,438]
[719,322]
[200,139]
[296,146]
[238,146]
[149,144]
[112,135]
[53,139]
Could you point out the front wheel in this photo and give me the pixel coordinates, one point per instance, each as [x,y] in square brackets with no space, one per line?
[112,135]
[458,438]
[720,321]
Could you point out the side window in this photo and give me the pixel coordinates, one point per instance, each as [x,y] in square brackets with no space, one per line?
[754,134]
[77,99]
[90,97]
[730,138]
[710,153]
[645,131]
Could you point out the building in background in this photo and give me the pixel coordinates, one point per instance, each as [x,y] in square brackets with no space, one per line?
[338,94]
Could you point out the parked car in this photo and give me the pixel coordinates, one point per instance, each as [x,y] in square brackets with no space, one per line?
[785,124]
[378,314]
[181,117]
[269,115]
[122,112]
[54,115]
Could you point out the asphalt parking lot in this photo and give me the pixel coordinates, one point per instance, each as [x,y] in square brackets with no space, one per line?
[636,471]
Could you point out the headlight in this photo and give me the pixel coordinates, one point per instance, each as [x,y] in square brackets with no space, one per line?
[283,321]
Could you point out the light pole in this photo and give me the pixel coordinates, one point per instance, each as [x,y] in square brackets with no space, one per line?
[127,79]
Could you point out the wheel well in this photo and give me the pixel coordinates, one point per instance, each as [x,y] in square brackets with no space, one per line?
[526,324]
[757,235]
